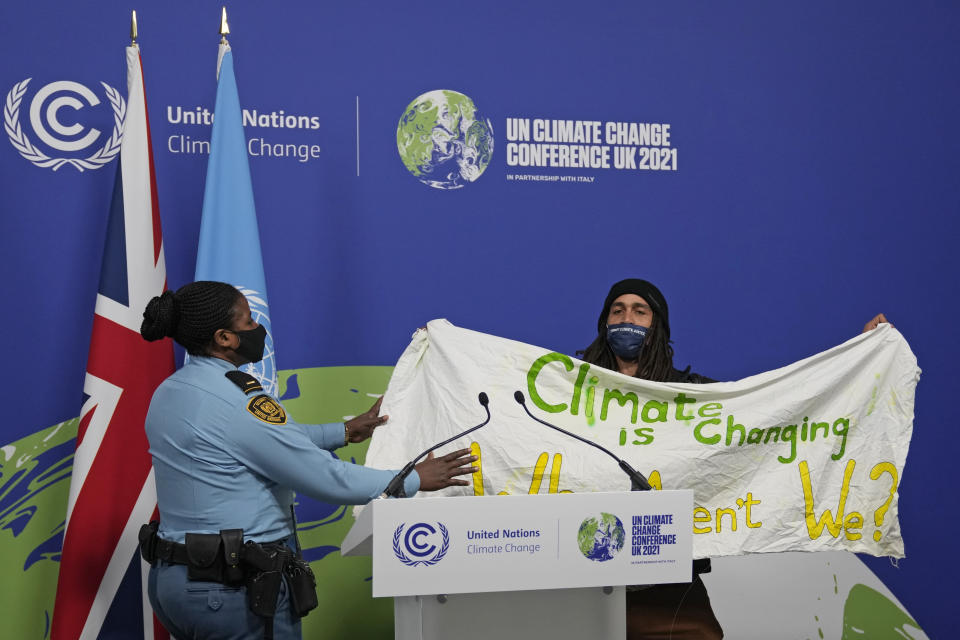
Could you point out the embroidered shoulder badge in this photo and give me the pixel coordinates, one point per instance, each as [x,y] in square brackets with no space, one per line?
[267,409]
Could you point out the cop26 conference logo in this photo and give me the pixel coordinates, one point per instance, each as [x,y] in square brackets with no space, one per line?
[54,121]
[443,140]
[425,543]
[600,539]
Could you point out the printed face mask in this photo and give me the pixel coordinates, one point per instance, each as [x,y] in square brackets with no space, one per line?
[626,339]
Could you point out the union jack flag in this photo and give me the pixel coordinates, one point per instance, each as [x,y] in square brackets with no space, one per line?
[101,590]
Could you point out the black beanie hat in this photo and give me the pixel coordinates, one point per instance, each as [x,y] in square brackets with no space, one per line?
[643,289]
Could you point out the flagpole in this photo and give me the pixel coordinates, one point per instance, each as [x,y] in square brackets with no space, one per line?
[224,27]
[229,243]
[112,487]
[224,44]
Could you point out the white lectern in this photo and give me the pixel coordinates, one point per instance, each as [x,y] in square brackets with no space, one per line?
[529,566]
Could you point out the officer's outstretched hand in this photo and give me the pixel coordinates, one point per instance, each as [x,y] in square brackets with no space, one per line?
[442,472]
[361,427]
[875,322]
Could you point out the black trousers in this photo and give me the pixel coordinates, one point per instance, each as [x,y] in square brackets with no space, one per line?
[671,612]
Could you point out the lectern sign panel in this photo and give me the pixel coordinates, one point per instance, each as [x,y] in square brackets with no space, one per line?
[477,544]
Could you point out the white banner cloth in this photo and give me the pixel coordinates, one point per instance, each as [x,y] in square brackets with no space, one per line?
[803,458]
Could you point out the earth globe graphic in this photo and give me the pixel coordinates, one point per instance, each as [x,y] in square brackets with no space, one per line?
[600,539]
[443,140]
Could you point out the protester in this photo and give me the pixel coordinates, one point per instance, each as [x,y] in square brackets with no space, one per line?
[633,338]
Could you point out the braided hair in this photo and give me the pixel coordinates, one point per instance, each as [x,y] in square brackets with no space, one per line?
[191,315]
[655,361]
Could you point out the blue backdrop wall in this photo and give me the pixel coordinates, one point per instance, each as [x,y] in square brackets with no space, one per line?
[813,185]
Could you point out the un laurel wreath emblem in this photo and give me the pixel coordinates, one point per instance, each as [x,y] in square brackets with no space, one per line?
[23,145]
[423,552]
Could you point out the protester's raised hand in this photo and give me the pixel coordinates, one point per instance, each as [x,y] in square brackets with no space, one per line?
[875,322]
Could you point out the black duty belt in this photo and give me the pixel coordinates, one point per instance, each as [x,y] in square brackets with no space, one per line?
[225,558]
[176,552]
[171,552]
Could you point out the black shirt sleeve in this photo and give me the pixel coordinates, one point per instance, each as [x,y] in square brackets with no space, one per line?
[686,376]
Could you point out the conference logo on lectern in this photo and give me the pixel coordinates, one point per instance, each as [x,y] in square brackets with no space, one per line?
[57,120]
[443,140]
[601,538]
[421,543]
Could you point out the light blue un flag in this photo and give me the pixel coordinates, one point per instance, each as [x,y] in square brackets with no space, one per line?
[229,248]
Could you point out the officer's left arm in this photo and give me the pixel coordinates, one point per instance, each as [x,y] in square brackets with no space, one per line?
[276,447]
[361,427]
[336,434]
[327,436]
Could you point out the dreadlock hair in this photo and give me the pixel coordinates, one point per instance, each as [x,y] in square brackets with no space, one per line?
[191,315]
[656,356]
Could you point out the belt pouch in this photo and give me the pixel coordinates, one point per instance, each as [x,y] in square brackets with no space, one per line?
[204,557]
[232,542]
[148,541]
[263,587]
[302,585]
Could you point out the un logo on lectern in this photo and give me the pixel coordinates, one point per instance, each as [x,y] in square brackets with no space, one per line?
[424,543]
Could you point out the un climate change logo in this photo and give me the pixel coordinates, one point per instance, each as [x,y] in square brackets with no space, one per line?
[420,541]
[53,120]
[443,140]
[600,539]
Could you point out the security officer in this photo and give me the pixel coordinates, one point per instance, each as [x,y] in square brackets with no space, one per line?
[227,459]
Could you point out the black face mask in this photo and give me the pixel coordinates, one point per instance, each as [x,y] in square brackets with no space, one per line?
[251,344]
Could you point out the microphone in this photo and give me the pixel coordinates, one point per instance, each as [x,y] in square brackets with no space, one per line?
[395,488]
[637,480]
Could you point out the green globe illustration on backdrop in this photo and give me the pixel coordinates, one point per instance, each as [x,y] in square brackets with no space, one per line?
[600,539]
[443,140]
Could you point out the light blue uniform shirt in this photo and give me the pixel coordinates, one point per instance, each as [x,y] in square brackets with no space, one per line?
[218,466]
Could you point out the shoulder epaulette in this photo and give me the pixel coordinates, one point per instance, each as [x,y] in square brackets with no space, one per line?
[247,383]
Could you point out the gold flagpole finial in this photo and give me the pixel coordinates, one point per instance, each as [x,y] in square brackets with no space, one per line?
[224,27]
[133,28]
